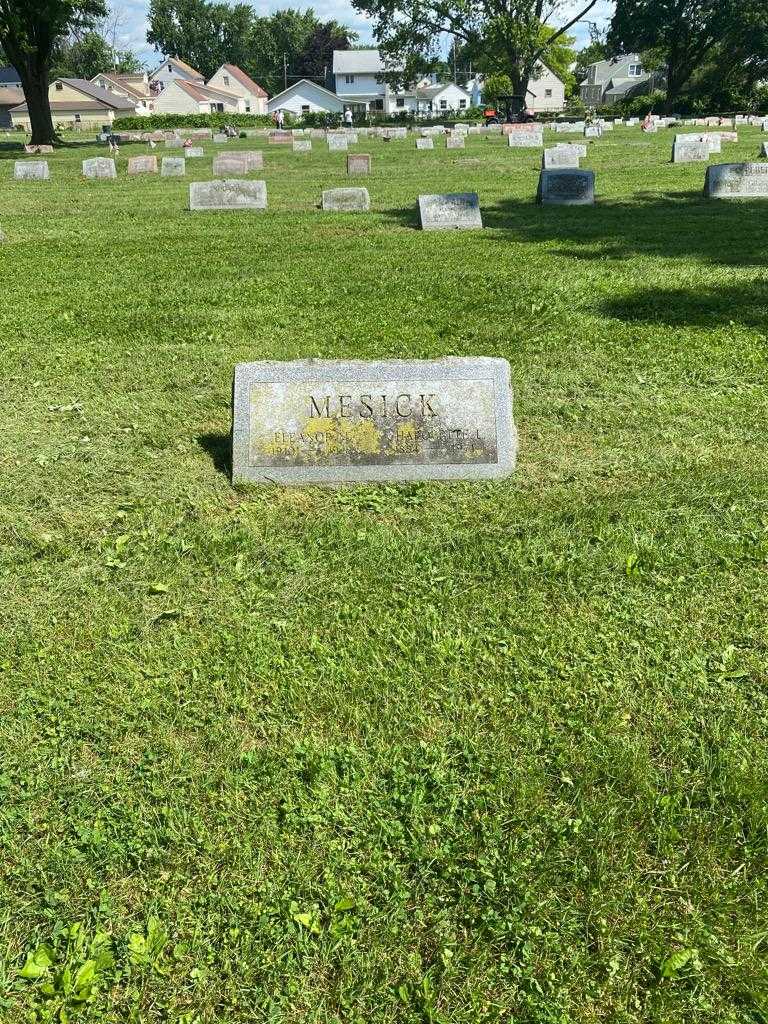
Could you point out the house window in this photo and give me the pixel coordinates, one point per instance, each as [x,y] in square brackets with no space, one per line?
[305,108]
[635,70]
[400,102]
[77,119]
[462,104]
[226,79]
[220,108]
[443,104]
[349,79]
[59,86]
[247,108]
[548,94]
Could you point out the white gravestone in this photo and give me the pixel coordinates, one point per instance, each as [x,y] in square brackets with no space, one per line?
[737,181]
[173,167]
[337,143]
[31,170]
[457,211]
[99,167]
[425,144]
[229,194]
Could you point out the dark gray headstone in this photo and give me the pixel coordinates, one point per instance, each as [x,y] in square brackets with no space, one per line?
[329,422]
[566,188]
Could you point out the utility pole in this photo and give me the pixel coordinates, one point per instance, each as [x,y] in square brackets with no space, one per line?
[455,79]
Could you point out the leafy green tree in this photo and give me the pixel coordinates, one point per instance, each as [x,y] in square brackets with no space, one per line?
[206,35]
[596,50]
[494,87]
[90,54]
[29,30]
[511,34]
[681,34]
[561,57]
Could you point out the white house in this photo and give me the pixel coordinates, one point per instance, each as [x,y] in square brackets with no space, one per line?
[609,81]
[305,97]
[132,87]
[546,92]
[172,70]
[230,78]
[184,97]
[443,99]
[357,77]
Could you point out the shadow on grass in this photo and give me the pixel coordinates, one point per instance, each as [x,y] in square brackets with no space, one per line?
[219,448]
[680,225]
[745,304]
[12,149]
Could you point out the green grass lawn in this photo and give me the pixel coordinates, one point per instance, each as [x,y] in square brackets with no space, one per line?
[431,754]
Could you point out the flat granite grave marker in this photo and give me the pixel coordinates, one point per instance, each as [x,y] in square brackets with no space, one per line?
[302,145]
[173,167]
[230,163]
[566,188]
[40,149]
[425,143]
[281,138]
[99,167]
[736,181]
[228,194]
[191,152]
[337,143]
[175,143]
[31,170]
[359,163]
[142,165]
[335,422]
[689,151]
[346,200]
[450,211]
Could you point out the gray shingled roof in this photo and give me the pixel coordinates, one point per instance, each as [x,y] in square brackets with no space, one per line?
[9,75]
[109,99]
[357,62]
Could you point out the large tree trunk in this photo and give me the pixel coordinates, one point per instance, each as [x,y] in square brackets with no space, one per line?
[35,84]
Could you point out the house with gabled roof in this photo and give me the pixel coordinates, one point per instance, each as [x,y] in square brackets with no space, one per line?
[231,78]
[184,97]
[305,97]
[173,70]
[133,87]
[78,103]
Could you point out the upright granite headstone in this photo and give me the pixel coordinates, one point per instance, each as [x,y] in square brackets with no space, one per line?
[566,188]
[281,138]
[229,194]
[593,131]
[560,156]
[175,143]
[526,139]
[230,163]
[142,165]
[302,145]
[192,152]
[450,211]
[220,138]
[173,167]
[31,170]
[689,151]
[425,143]
[329,422]
[337,143]
[736,181]
[99,167]
[40,149]
[454,141]
[346,200]
[358,163]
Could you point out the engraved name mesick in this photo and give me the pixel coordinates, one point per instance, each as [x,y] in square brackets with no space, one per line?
[366,407]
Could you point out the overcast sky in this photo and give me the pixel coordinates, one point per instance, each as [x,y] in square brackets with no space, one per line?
[133,13]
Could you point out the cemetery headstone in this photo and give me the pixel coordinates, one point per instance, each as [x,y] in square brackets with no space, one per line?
[31,170]
[346,200]
[228,194]
[337,422]
[593,131]
[99,167]
[281,138]
[38,149]
[220,138]
[173,167]
[689,151]
[254,159]
[455,141]
[175,143]
[526,139]
[192,152]
[425,143]
[566,187]
[142,165]
[560,156]
[337,143]
[450,211]
[358,163]
[230,163]
[736,181]
[302,145]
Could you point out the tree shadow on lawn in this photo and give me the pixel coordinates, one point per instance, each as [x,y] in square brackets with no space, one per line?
[219,448]
[745,304]
[683,225]
[13,150]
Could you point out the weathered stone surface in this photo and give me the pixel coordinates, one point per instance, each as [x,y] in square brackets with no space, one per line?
[346,200]
[220,138]
[142,165]
[358,163]
[329,422]
[593,131]
[579,148]
[229,194]
[39,149]
[764,151]
[735,181]
[425,143]
[689,151]
[99,167]
[351,137]
[560,156]
[302,145]
[526,139]
[31,170]
[337,143]
[173,167]
[280,138]
[175,143]
[451,211]
[192,152]
[230,163]
[254,159]
[455,141]
[566,187]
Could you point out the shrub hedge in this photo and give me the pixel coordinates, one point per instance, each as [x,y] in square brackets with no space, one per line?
[160,122]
